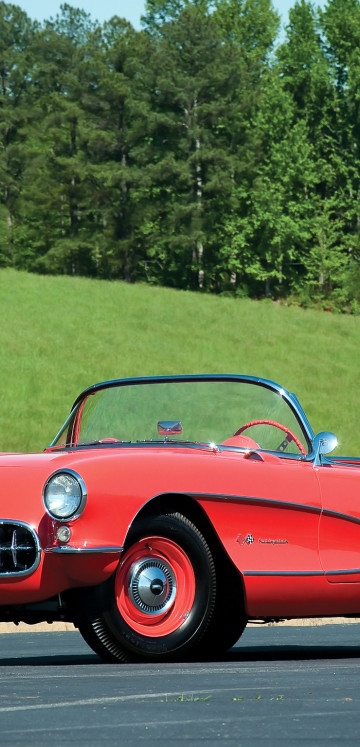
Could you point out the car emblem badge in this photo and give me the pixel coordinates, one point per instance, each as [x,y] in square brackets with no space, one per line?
[248,540]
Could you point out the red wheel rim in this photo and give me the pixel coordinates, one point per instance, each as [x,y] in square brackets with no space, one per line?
[155,587]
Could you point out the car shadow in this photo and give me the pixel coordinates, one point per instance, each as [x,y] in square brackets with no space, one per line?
[294,652]
[51,661]
[255,654]
[66,649]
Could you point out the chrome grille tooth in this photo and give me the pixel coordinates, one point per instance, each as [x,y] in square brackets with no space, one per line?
[13,549]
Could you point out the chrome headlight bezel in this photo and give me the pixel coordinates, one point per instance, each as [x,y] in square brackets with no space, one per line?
[80,503]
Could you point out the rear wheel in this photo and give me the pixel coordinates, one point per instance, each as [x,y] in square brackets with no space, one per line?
[160,602]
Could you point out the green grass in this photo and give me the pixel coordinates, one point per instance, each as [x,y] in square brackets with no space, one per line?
[58,335]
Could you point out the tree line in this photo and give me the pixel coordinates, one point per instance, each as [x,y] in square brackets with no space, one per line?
[202,152]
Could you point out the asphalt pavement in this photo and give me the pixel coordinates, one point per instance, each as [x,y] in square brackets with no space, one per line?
[282,685]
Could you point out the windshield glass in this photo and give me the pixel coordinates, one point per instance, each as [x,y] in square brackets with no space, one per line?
[197,411]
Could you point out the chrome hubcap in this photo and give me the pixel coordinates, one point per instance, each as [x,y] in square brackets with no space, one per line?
[152,586]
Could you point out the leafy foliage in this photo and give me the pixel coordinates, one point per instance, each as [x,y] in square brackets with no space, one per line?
[194,153]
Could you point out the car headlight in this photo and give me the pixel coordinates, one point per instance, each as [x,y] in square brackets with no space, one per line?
[64,495]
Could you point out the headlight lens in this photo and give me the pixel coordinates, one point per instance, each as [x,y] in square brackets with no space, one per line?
[64,495]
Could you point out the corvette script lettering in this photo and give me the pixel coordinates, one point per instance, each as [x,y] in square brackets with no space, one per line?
[249,540]
[273,541]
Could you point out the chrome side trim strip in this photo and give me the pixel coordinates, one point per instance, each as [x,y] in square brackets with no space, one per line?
[352,572]
[348,572]
[283,573]
[68,550]
[339,515]
[271,502]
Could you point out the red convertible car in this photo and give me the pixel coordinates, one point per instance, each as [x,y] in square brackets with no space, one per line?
[169,511]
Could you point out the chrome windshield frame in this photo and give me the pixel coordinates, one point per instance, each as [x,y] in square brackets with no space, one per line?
[289,398]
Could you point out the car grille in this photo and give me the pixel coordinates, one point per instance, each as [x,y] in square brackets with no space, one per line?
[19,549]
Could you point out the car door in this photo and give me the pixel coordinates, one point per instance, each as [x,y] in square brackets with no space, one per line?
[268,518]
[268,521]
[339,536]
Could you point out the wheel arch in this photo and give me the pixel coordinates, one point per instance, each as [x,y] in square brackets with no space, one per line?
[190,508]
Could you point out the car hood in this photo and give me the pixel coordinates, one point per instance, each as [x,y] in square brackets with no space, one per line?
[22,477]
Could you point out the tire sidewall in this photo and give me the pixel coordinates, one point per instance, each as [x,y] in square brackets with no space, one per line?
[189,633]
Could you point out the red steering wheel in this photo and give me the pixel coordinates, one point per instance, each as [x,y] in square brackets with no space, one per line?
[290,436]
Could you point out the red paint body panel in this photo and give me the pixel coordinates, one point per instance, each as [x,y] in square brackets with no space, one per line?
[277,502]
[291,526]
[56,574]
[340,523]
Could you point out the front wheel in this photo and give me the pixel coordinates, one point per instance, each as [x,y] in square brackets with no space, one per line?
[160,601]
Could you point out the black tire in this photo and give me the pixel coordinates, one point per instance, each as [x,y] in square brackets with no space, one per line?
[228,621]
[159,603]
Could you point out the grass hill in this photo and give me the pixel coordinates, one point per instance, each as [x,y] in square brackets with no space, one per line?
[59,335]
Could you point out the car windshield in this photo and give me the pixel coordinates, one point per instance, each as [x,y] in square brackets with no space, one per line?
[197,411]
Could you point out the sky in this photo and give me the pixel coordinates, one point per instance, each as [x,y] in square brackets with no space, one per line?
[40,10]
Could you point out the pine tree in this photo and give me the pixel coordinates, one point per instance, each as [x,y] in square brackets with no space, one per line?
[317,248]
[16,33]
[117,112]
[341,23]
[202,140]
[54,234]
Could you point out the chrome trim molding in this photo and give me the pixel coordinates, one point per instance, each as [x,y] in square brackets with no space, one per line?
[283,573]
[291,399]
[14,549]
[66,550]
[342,461]
[338,515]
[349,572]
[271,502]
[176,444]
